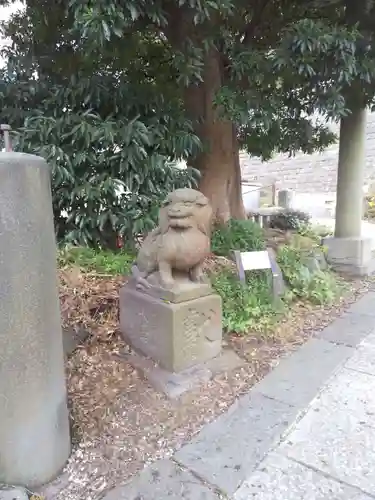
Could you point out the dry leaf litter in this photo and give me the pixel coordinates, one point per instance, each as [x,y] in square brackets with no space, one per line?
[119,423]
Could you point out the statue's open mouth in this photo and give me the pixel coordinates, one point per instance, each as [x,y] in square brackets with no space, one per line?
[179,223]
[178,216]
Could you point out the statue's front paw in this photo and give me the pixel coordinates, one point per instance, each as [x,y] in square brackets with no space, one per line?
[167,284]
[142,284]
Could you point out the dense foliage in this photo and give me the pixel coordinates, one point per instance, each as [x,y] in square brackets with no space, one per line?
[247,307]
[251,306]
[103,90]
[240,235]
[289,220]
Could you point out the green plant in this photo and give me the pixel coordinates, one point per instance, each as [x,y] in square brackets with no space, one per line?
[289,220]
[323,288]
[315,232]
[107,92]
[319,287]
[246,306]
[242,235]
[369,205]
[306,243]
[99,261]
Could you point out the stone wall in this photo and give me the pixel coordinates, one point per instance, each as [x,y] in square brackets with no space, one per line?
[308,173]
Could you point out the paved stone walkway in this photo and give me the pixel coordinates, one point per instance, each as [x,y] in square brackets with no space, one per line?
[305,432]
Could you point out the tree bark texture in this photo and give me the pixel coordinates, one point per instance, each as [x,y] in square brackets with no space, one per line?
[219,162]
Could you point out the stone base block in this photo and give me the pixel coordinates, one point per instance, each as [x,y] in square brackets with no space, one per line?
[175,335]
[174,385]
[352,256]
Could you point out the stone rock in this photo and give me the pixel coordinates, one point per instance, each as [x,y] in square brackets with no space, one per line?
[72,338]
[175,384]
[13,494]
[316,261]
[321,258]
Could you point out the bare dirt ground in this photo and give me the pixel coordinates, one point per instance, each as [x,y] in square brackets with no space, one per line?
[119,422]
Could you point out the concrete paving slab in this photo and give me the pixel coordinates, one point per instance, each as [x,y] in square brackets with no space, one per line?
[229,449]
[363,360]
[13,494]
[370,339]
[298,377]
[279,478]
[164,480]
[349,391]
[350,329]
[336,442]
[365,305]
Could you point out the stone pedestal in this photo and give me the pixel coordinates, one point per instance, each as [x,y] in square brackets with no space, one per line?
[352,256]
[176,330]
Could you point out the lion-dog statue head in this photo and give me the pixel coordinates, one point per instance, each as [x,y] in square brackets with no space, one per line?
[181,242]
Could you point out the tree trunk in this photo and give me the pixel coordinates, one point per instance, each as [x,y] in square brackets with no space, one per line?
[237,208]
[219,162]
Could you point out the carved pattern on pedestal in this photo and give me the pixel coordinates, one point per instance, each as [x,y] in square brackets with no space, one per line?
[194,325]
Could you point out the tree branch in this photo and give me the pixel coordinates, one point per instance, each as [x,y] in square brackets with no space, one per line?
[256,20]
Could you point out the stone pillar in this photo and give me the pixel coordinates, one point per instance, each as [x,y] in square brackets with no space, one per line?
[350,175]
[348,251]
[34,422]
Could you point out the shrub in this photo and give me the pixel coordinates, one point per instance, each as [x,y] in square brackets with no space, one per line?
[289,220]
[369,207]
[242,235]
[245,307]
[251,306]
[316,233]
[100,261]
[319,287]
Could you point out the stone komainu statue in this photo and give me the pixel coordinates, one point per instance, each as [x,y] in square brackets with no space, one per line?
[176,249]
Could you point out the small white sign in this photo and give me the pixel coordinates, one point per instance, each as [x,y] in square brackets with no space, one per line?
[252,261]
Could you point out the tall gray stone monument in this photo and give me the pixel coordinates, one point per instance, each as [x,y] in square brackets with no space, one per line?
[34,422]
